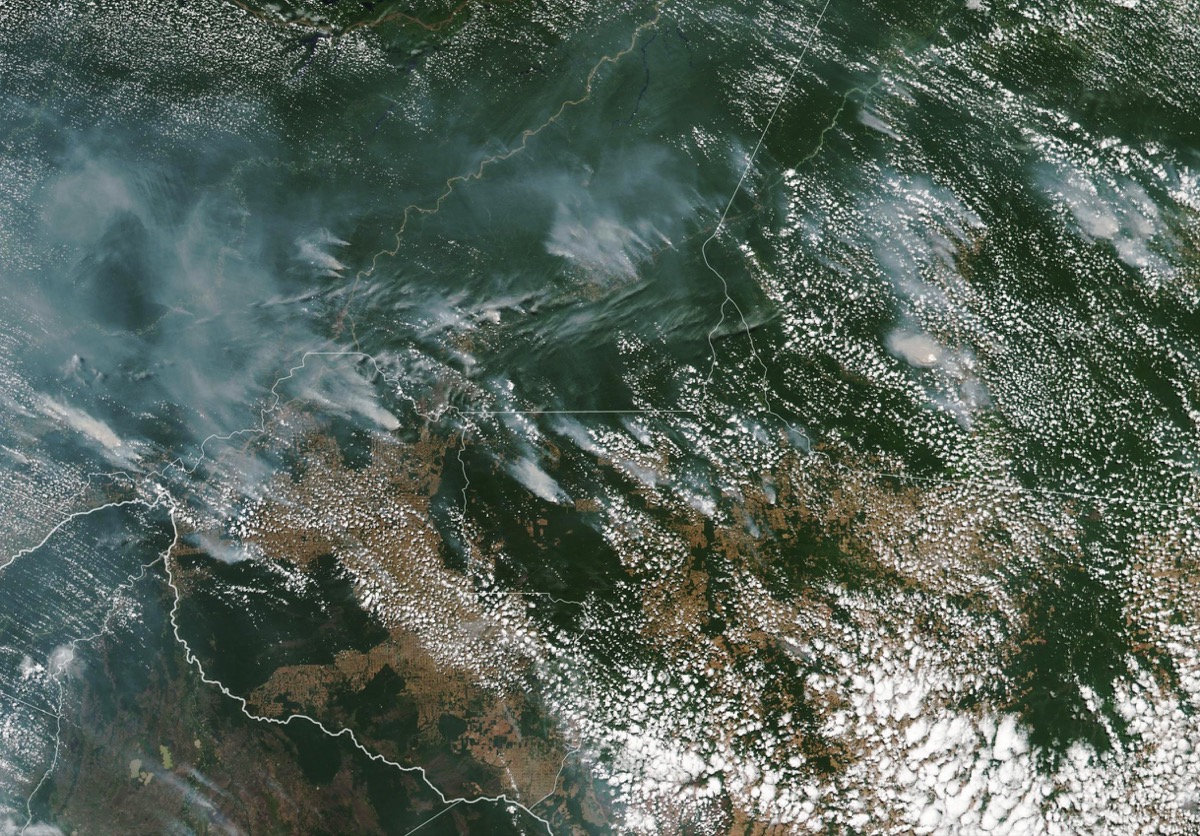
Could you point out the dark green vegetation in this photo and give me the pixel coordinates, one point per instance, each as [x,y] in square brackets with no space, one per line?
[702,507]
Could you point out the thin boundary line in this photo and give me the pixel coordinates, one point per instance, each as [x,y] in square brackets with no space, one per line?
[728,300]
[446,809]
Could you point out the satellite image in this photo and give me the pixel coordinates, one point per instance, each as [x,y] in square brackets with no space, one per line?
[562,418]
